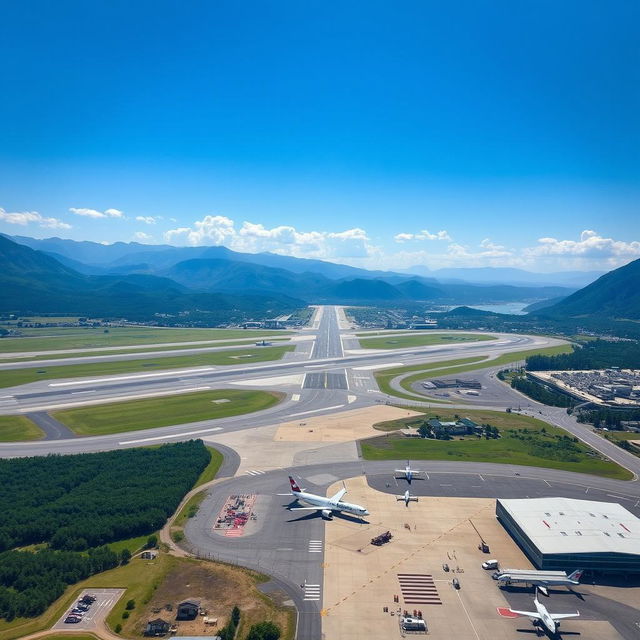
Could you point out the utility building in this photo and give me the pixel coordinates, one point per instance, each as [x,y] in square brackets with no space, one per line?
[567,534]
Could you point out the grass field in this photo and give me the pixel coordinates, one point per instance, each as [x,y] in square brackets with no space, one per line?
[384,376]
[524,441]
[17,428]
[451,367]
[422,340]
[14,377]
[89,338]
[149,413]
[11,357]
[211,469]
[133,544]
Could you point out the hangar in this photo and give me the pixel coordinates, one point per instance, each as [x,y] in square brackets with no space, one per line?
[567,534]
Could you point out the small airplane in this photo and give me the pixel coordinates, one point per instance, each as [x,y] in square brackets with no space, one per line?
[542,618]
[543,582]
[408,472]
[326,506]
[407,497]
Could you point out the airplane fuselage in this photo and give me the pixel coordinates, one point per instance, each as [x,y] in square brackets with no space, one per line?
[326,503]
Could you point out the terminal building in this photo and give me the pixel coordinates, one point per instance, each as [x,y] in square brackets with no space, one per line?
[565,534]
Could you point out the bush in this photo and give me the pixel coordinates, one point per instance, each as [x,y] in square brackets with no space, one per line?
[125,615]
[131,604]
[152,542]
[118,628]
[264,631]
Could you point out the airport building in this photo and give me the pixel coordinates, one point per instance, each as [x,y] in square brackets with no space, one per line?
[566,534]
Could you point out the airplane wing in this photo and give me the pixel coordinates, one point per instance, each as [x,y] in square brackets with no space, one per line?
[337,497]
[562,616]
[308,508]
[530,614]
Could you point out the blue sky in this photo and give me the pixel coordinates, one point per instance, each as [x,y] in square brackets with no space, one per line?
[374,133]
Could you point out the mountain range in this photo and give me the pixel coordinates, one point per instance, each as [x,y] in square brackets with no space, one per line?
[219,270]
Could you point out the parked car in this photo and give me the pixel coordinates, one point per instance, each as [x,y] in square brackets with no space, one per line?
[77,612]
[72,619]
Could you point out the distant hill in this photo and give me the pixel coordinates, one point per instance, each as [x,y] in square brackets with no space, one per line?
[508,275]
[615,295]
[32,281]
[542,304]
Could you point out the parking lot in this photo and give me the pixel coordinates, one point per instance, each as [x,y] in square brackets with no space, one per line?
[94,617]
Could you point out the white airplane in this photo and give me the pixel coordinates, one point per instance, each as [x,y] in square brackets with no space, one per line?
[326,506]
[408,472]
[542,617]
[407,497]
[543,580]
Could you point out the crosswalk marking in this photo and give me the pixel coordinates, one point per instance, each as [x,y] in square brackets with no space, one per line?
[315,546]
[255,472]
[311,591]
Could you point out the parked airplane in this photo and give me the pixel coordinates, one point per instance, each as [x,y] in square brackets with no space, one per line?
[408,472]
[326,506]
[543,580]
[542,618]
[407,497]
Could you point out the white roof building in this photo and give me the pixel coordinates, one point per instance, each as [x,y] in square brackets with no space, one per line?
[567,534]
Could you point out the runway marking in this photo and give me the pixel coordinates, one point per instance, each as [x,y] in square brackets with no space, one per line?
[285,549]
[315,546]
[373,367]
[611,495]
[178,373]
[73,393]
[254,472]
[295,397]
[547,483]
[304,413]
[481,478]
[311,591]
[174,435]
[351,399]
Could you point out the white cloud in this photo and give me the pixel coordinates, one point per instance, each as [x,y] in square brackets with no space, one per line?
[142,237]
[24,218]
[590,245]
[422,235]
[94,213]
[284,240]
[147,219]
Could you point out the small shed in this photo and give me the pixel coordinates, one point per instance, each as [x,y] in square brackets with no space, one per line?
[188,610]
[149,555]
[157,627]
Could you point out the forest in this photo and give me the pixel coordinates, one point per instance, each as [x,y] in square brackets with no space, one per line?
[30,582]
[599,354]
[81,501]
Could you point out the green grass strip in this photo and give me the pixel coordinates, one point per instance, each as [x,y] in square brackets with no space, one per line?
[422,340]
[520,443]
[385,376]
[47,339]
[17,428]
[150,413]
[14,377]
[9,357]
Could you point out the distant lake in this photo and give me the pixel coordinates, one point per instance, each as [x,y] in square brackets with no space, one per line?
[515,308]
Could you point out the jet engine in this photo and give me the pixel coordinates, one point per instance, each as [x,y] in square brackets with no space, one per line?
[327,513]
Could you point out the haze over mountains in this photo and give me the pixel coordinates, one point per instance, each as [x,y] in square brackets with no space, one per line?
[130,279]
[220,270]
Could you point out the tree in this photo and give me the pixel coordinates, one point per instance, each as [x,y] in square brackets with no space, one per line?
[125,556]
[131,604]
[152,542]
[235,615]
[118,628]
[264,631]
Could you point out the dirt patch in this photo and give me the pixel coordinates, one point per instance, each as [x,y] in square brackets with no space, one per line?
[218,587]
[340,427]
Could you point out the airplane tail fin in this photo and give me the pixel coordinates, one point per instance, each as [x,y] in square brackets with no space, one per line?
[576,575]
[294,485]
